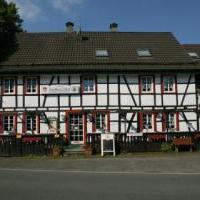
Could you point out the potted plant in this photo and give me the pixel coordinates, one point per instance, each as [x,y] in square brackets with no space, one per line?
[56,151]
[88,151]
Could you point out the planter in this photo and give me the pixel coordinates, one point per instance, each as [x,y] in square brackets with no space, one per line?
[88,151]
[56,152]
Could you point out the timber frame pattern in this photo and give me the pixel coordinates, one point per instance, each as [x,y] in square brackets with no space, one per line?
[118,90]
[133,109]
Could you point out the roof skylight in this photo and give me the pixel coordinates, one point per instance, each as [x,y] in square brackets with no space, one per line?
[144,52]
[101,53]
[193,55]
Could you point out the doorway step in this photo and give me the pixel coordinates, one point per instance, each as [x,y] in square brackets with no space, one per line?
[73,150]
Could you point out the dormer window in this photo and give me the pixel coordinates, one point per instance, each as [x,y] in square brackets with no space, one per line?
[193,55]
[101,53]
[144,53]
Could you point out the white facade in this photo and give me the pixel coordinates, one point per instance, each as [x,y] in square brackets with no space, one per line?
[124,100]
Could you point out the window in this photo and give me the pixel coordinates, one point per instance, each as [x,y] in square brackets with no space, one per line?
[147,121]
[170,121]
[147,84]
[88,85]
[31,85]
[143,52]
[31,122]
[100,121]
[8,123]
[9,86]
[101,53]
[194,55]
[168,83]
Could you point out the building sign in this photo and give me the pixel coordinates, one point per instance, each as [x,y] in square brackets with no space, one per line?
[134,134]
[108,143]
[60,89]
[52,131]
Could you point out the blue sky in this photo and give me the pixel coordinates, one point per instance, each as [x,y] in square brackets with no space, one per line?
[178,16]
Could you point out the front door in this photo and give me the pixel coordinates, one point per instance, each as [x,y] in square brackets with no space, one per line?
[76,128]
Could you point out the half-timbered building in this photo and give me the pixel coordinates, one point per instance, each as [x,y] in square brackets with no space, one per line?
[76,83]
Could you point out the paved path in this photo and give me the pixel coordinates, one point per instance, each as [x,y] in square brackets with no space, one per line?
[172,163]
[137,178]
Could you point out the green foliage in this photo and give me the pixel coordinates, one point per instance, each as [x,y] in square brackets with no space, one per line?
[10,20]
[166,147]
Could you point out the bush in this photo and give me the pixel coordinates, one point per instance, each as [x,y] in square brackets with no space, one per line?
[166,147]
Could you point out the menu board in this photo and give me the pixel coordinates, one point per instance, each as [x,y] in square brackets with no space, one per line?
[108,143]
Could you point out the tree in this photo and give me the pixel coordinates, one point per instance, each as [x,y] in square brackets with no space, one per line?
[10,20]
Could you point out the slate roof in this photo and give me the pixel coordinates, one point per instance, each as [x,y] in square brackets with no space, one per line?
[79,49]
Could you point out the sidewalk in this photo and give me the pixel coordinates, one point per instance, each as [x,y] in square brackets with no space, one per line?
[139,163]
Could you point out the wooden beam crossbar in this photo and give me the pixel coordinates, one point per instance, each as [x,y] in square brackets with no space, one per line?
[186,89]
[130,122]
[129,89]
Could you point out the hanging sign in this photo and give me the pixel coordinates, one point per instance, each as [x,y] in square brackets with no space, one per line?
[60,89]
[108,143]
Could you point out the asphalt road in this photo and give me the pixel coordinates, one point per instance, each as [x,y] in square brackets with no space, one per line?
[55,179]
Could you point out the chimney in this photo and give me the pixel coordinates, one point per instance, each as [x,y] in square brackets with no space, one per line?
[113,27]
[69,27]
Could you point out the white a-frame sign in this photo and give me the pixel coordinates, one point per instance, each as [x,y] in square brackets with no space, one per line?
[108,143]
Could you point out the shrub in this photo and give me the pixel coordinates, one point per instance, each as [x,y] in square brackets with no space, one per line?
[166,147]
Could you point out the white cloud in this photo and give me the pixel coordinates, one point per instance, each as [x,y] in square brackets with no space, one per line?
[66,5]
[27,9]
[32,10]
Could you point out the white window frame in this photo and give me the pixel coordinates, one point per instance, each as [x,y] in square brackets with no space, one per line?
[32,119]
[102,122]
[168,86]
[193,55]
[10,87]
[32,88]
[170,121]
[90,88]
[8,123]
[102,53]
[147,121]
[145,85]
[144,53]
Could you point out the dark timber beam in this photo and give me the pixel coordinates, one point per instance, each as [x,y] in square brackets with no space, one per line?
[186,89]
[129,89]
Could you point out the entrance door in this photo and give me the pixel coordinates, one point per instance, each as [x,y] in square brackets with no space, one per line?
[76,128]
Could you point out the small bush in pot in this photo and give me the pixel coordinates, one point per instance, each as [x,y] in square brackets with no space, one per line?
[166,147]
[56,151]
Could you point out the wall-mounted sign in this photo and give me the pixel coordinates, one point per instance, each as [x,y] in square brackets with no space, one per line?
[134,134]
[52,131]
[60,89]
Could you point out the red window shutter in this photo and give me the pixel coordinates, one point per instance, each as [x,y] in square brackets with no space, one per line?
[164,121]
[177,121]
[93,122]
[67,126]
[155,122]
[15,123]
[141,122]
[38,123]
[1,123]
[162,85]
[140,84]
[24,123]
